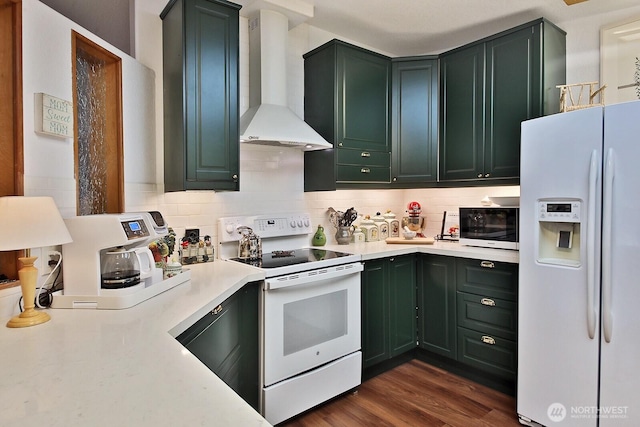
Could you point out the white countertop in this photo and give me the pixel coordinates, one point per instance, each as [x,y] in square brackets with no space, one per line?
[124,367]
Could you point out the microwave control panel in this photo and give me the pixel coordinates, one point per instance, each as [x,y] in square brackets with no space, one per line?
[559,210]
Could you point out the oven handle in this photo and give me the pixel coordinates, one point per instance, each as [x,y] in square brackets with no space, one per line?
[309,277]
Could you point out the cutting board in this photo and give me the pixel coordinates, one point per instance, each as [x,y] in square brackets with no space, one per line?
[414,241]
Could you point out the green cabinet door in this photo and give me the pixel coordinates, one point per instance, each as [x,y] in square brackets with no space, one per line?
[402,304]
[437,304]
[201,110]
[462,121]
[375,312]
[414,120]
[363,94]
[388,308]
[512,97]
[226,341]
[347,102]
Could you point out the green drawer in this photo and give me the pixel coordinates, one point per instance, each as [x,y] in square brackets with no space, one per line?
[491,316]
[489,353]
[364,157]
[349,173]
[487,278]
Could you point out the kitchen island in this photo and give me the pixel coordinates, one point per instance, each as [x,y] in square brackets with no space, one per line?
[124,367]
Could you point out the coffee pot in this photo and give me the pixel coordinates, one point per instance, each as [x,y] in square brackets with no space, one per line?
[249,245]
[119,268]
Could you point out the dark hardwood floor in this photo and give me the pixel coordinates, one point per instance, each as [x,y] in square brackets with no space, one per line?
[415,394]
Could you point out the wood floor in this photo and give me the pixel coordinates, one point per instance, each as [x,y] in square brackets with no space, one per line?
[415,394]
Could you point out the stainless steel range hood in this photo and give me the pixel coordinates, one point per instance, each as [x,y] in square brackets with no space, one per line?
[269,121]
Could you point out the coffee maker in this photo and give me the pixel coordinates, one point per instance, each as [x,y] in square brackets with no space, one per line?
[107,242]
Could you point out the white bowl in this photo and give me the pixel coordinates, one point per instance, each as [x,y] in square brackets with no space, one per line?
[409,234]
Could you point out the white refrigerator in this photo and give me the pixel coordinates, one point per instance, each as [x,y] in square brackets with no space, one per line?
[579,277]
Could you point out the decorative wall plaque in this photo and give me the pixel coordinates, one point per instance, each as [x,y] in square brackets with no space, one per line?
[53,116]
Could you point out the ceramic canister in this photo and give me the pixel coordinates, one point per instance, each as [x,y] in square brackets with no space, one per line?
[383,226]
[394,224]
[370,230]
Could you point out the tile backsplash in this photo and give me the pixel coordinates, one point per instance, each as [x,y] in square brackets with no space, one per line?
[272,179]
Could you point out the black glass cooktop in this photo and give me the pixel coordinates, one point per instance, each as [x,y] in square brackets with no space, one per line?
[277,259]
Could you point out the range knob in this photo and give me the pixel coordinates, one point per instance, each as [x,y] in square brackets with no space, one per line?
[306,222]
[292,223]
[299,223]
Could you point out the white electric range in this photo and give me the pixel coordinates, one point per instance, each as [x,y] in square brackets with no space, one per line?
[310,311]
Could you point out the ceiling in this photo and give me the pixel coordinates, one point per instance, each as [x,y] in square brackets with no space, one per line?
[413,27]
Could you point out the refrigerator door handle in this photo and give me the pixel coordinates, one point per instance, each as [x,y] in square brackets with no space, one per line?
[607,211]
[591,236]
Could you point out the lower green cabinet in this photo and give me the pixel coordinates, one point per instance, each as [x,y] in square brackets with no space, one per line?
[457,308]
[388,308]
[437,304]
[226,341]
[489,353]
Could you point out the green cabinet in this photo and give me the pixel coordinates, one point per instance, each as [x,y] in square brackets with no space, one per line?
[414,120]
[226,341]
[388,308]
[437,304]
[487,316]
[347,102]
[487,89]
[201,110]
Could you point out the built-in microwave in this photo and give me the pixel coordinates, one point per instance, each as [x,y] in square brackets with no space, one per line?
[490,227]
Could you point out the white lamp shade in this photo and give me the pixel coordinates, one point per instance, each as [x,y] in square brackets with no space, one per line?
[30,222]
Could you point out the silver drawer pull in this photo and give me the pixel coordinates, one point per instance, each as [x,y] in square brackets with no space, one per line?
[488,301]
[365,154]
[488,340]
[217,310]
[365,170]
[487,264]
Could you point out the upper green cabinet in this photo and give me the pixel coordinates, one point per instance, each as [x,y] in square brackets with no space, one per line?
[201,110]
[487,89]
[414,120]
[347,102]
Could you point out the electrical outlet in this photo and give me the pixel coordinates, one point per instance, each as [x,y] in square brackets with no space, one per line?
[47,253]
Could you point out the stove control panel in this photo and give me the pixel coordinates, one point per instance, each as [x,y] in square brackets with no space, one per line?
[265,226]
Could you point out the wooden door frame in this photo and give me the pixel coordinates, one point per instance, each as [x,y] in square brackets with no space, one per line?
[11,120]
[114,129]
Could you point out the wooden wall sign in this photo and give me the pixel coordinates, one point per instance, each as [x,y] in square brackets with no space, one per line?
[53,116]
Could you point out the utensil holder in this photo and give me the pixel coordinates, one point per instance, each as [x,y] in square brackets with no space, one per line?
[343,234]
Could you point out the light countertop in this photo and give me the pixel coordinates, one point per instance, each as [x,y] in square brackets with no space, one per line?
[125,368]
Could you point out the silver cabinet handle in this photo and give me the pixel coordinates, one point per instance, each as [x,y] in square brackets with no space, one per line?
[488,301]
[486,175]
[339,144]
[217,310]
[479,175]
[234,177]
[487,264]
[365,170]
[488,340]
[365,154]
[395,178]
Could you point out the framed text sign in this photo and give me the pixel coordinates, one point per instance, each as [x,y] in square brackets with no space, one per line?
[53,116]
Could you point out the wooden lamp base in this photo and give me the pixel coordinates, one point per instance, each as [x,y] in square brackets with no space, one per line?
[28,275]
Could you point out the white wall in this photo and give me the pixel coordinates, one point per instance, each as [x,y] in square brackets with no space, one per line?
[49,161]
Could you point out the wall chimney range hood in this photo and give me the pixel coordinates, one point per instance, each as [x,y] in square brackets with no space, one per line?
[269,121]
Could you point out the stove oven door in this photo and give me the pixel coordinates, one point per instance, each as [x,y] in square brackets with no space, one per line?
[310,319]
